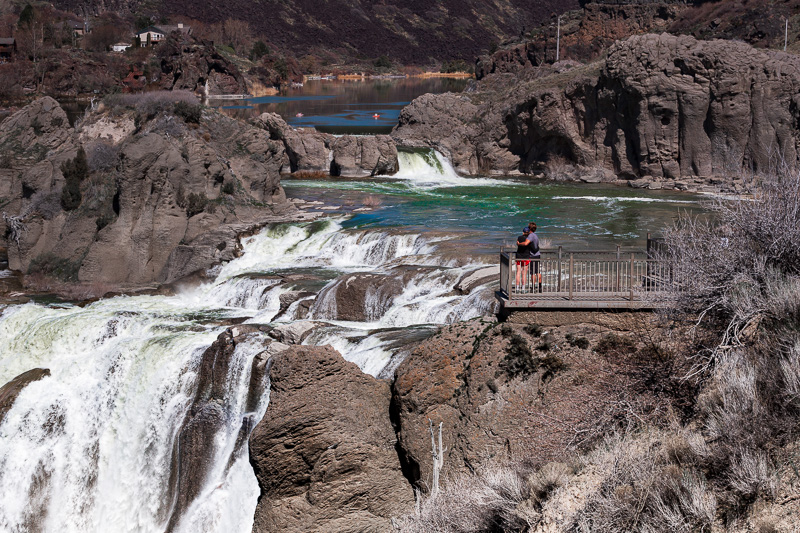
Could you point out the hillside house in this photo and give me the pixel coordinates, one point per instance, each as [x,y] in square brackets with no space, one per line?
[120,47]
[8,48]
[79,27]
[156,34]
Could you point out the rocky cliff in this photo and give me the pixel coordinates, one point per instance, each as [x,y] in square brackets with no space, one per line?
[164,194]
[663,107]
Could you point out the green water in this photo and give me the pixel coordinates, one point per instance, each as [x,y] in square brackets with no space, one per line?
[492,212]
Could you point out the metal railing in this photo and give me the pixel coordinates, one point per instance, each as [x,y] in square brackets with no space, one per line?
[589,274]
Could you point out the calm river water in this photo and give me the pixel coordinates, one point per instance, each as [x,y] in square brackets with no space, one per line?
[345,106]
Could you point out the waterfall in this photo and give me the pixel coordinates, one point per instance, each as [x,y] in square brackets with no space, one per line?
[94,441]
[428,169]
[92,447]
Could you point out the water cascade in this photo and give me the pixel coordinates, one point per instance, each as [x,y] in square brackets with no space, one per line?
[96,441]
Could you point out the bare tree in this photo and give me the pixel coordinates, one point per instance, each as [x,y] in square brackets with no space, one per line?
[437,452]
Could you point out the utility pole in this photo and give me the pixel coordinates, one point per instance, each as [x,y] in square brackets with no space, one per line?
[558,38]
[786,35]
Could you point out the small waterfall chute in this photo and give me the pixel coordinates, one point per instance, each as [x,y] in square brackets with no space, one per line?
[427,168]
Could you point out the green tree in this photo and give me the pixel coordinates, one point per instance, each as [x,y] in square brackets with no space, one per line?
[260,49]
[282,68]
[383,62]
[26,16]
[74,171]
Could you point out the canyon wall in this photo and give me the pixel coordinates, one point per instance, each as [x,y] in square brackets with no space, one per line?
[661,106]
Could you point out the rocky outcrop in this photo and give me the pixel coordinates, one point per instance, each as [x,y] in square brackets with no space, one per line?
[660,106]
[324,454]
[10,391]
[187,63]
[165,200]
[310,151]
[361,156]
[518,392]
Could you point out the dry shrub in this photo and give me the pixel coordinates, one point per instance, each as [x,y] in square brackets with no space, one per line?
[548,479]
[46,204]
[487,501]
[149,104]
[739,275]
[310,175]
[644,490]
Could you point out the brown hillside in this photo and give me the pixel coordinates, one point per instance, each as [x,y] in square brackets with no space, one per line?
[410,31]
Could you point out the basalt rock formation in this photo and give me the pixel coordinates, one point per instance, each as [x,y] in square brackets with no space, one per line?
[324,454]
[667,108]
[187,63]
[163,197]
[195,447]
[351,156]
[509,392]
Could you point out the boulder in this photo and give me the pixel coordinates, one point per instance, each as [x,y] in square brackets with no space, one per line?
[308,150]
[445,123]
[361,296]
[476,278]
[324,454]
[361,156]
[10,391]
[295,332]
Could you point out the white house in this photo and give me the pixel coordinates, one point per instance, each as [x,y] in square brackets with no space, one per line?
[160,32]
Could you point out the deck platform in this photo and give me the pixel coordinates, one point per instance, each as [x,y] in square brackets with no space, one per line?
[586,280]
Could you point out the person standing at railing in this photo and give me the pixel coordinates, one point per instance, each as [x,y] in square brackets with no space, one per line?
[523,255]
[532,243]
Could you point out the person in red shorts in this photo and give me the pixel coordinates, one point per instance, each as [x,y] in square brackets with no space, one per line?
[524,253]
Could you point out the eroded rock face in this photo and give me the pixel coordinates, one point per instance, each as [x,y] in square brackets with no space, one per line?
[187,63]
[502,392]
[324,454]
[361,156]
[169,199]
[660,105]
[347,155]
[443,122]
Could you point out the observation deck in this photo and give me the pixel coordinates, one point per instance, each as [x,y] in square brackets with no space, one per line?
[624,278]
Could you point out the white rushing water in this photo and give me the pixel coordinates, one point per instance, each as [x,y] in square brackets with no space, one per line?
[90,448]
[94,440]
[428,169]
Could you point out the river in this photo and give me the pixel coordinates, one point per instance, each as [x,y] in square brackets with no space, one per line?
[88,449]
[361,106]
